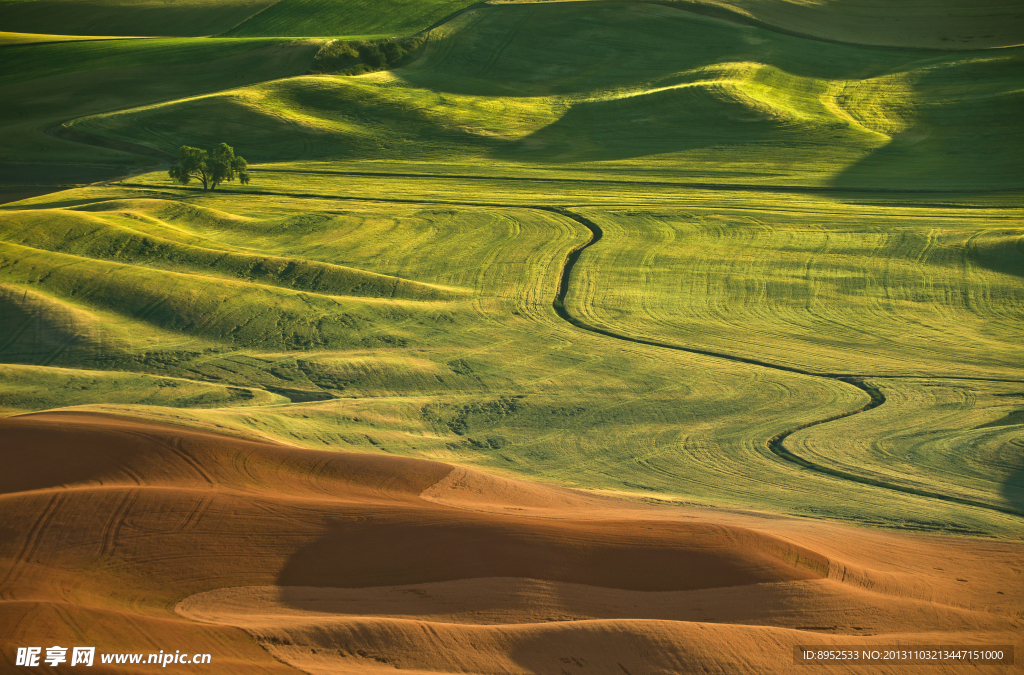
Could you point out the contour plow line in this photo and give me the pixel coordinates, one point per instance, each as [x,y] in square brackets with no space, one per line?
[776,444]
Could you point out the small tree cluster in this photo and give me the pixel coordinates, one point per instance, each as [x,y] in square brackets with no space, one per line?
[356,58]
[212,168]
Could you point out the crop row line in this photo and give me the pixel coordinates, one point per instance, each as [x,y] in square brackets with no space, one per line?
[639,183]
[776,444]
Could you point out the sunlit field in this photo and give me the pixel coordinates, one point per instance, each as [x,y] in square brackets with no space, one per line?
[741,257]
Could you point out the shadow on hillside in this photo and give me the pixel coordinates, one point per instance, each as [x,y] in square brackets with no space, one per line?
[566,48]
[24,181]
[1001,252]
[672,120]
[1013,487]
[16,173]
[399,544]
[926,157]
[968,133]
[95,17]
[38,332]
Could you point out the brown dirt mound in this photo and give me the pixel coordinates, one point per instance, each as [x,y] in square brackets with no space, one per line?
[47,450]
[107,524]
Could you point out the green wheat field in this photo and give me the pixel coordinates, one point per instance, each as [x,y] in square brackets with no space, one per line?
[794,234]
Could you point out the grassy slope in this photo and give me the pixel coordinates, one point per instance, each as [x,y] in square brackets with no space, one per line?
[959,438]
[44,85]
[181,18]
[359,17]
[496,380]
[233,18]
[833,288]
[937,24]
[41,388]
[7,38]
[586,85]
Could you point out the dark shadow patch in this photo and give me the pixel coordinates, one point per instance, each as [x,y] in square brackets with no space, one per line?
[9,194]
[668,121]
[1003,254]
[56,175]
[405,544]
[300,395]
[1015,417]
[968,132]
[1013,486]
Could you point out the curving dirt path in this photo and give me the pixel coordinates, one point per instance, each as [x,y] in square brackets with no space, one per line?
[777,443]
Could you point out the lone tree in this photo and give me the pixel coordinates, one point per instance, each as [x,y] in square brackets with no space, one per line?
[213,168]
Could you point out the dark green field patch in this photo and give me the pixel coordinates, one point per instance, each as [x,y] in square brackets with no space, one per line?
[336,18]
[182,18]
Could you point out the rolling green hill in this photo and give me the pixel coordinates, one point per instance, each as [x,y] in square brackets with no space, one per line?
[234,18]
[933,24]
[305,18]
[490,375]
[7,38]
[899,291]
[595,83]
[45,85]
[181,18]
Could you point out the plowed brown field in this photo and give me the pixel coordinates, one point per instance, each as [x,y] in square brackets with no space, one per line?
[136,538]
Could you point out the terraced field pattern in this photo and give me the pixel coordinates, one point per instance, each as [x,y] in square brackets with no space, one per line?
[594,336]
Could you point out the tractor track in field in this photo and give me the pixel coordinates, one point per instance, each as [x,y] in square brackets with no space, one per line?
[732,187]
[776,444]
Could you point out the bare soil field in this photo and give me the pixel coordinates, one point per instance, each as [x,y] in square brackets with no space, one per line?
[143,537]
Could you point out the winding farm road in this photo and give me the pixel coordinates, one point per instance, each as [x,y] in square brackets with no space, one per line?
[777,443]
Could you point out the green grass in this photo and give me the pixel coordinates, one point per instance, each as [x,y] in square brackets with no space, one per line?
[45,85]
[605,85]
[232,18]
[332,18]
[7,38]
[114,235]
[28,63]
[386,283]
[959,438]
[181,18]
[496,379]
[29,388]
[843,289]
[936,24]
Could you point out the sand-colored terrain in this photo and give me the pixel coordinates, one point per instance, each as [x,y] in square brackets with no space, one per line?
[136,538]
